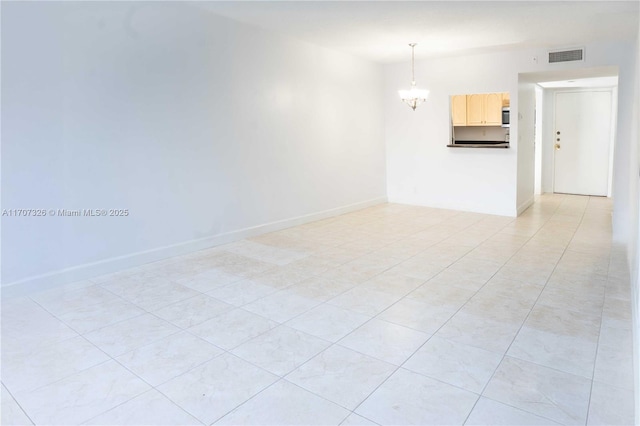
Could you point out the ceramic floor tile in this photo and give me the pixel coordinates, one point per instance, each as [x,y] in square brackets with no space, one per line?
[169,357]
[232,328]
[393,283]
[25,370]
[285,404]
[567,298]
[153,298]
[548,393]
[498,308]
[281,306]
[193,311]
[328,322]
[321,289]
[479,332]
[150,408]
[341,375]
[564,322]
[408,398]
[242,292]
[611,405]
[566,353]
[84,319]
[386,341]
[30,326]
[60,301]
[130,334]
[442,294]
[459,365]
[490,412]
[356,420]
[212,390]
[68,401]
[281,349]
[282,277]
[427,317]
[364,301]
[470,278]
[209,280]
[614,366]
[10,411]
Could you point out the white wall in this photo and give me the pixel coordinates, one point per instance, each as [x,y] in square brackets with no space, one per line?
[539,93]
[632,246]
[526,144]
[422,170]
[202,127]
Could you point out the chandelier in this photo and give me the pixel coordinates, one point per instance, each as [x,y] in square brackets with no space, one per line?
[414,96]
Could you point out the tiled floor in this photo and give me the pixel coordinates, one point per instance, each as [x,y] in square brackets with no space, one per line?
[390,315]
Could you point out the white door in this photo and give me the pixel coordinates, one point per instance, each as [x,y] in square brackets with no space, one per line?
[582,140]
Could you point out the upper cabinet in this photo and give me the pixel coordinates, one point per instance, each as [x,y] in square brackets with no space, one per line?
[484,109]
[459,110]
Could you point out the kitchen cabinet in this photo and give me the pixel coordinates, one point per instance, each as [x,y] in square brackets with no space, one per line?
[484,109]
[459,110]
[506,101]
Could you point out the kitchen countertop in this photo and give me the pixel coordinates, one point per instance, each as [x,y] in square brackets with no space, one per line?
[479,144]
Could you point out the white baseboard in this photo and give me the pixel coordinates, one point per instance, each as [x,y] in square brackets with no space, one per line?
[522,207]
[89,270]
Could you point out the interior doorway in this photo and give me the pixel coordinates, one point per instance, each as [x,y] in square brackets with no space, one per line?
[582,142]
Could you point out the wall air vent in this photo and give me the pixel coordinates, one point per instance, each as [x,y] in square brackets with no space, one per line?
[566,55]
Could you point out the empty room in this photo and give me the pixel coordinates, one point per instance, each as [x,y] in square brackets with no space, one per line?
[320,212]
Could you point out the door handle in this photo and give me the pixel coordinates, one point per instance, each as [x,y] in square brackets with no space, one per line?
[557,147]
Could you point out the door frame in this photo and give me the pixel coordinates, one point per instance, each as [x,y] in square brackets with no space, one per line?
[612,138]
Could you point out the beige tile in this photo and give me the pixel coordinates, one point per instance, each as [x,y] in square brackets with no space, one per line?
[69,402]
[281,306]
[489,412]
[281,349]
[232,328]
[571,354]
[563,322]
[386,341]
[84,319]
[150,408]
[427,317]
[611,405]
[328,322]
[408,398]
[286,404]
[341,375]
[169,357]
[213,389]
[27,370]
[195,310]
[10,412]
[483,333]
[364,301]
[130,334]
[542,391]
[459,365]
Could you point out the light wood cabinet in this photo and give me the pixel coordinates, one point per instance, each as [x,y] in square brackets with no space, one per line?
[483,109]
[459,110]
[475,110]
[506,101]
[493,109]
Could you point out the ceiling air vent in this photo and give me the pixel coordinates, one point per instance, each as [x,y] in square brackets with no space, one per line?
[566,55]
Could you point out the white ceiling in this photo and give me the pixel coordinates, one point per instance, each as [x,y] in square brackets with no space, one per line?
[381,30]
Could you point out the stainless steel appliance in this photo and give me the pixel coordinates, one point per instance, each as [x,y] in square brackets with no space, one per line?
[505,116]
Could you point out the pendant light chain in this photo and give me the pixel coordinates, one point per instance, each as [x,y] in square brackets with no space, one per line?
[414,96]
